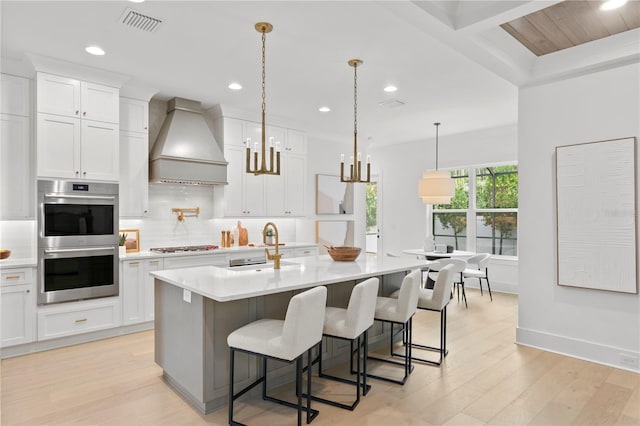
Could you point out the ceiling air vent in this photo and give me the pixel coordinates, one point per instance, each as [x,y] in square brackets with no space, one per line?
[140,21]
[392,103]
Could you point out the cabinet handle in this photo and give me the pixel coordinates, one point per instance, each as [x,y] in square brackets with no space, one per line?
[84,113]
[133,263]
[84,173]
[145,128]
[77,172]
[154,261]
[81,320]
[77,112]
[13,277]
[28,291]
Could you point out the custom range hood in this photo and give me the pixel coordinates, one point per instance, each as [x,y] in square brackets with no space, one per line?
[185,151]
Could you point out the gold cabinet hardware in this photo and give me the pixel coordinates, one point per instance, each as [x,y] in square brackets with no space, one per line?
[81,320]
[133,263]
[13,277]
[154,261]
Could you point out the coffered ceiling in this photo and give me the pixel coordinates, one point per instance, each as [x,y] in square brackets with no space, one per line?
[451,60]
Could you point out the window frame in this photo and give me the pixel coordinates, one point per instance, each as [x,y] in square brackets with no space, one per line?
[472,210]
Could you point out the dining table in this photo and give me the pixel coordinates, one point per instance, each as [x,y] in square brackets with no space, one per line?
[434,255]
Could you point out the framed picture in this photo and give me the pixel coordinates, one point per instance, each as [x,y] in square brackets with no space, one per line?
[132,240]
[333,196]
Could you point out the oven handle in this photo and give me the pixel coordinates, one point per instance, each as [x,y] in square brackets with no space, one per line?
[86,249]
[80,197]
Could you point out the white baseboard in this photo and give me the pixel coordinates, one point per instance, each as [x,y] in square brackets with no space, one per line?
[589,351]
[500,287]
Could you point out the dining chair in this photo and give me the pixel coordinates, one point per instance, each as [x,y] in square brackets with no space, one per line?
[459,266]
[478,267]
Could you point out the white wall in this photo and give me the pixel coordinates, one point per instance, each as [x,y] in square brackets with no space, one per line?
[401,166]
[590,324]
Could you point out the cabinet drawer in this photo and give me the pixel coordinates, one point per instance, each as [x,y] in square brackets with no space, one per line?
[16,276]
[81,317]
[307,251]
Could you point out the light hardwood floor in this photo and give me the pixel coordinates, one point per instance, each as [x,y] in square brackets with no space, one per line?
[486,379]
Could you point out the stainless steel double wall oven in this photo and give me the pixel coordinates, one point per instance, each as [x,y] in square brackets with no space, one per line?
[77,240]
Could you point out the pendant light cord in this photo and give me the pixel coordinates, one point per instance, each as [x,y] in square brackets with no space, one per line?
[437,125]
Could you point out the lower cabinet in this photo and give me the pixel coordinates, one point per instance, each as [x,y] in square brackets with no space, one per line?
[137,290]
[17,307]
[66,319]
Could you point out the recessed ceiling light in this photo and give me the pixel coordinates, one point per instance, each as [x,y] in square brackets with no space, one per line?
[390,89]
[612,4]
[324,109]
[235,86]
[94,50]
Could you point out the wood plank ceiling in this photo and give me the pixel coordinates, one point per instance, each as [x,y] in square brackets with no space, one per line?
[571,23]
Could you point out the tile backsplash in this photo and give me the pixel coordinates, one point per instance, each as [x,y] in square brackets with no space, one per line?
[19,236]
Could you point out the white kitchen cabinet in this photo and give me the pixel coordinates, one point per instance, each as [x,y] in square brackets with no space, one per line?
[137,290]
[17,307]
[134,115]
[70,97]
[150,265]
[134,157]
[306,251]
[16,179]
[244,195]
[77,134]
[67,319]
[74,148]
[132,291]
[285,197]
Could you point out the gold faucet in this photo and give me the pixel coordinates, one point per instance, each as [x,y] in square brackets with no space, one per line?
[275,257]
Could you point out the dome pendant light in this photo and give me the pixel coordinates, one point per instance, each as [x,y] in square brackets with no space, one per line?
[436,187]
[264,28]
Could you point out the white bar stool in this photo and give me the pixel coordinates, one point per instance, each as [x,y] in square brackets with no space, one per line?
[436,300]
[351,324]
[286,341]
[399,311]
[459,266]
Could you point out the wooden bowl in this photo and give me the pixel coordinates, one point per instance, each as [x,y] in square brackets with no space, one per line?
[5,254]
[344,253]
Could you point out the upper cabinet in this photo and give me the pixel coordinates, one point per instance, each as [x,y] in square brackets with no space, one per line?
[74,98]
[134,157]
[16,149]
[262,195]
[134,115]
[78,133]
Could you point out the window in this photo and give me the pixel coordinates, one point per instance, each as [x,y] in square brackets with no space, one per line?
[483,214]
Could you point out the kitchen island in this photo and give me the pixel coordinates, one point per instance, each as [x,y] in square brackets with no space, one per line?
[196,308]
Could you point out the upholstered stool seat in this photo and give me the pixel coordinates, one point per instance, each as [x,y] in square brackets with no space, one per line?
[351,324]
[399,311]
[285,340]
[436,300]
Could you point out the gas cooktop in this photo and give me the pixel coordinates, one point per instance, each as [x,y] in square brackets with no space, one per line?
[182,249]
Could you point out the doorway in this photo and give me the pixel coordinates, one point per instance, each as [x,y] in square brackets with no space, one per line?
[373,213]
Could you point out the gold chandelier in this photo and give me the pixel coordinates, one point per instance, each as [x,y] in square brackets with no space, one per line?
[264,28]
[355,168]
[436,187]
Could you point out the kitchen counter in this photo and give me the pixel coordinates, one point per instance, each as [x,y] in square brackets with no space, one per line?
[226,284]
[27,262]
[197,308]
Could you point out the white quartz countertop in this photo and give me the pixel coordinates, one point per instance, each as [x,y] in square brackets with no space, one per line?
[223,284]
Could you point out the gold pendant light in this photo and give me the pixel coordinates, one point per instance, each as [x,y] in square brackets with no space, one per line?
[355,168]
[264,28]
[436,187]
